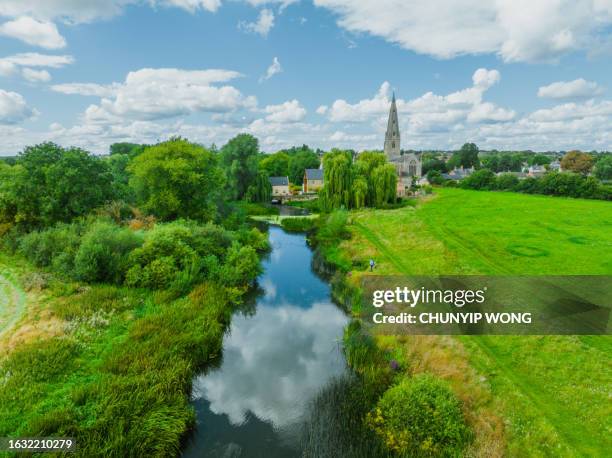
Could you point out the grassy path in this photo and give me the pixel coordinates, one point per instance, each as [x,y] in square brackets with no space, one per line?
[492,356]
[12,301]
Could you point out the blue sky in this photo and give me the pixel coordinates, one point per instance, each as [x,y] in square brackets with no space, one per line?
[506,74]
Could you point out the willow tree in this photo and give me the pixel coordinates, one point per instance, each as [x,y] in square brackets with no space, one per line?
[360,191]
[338,177]
[365,164]
[261,189]
[384,183]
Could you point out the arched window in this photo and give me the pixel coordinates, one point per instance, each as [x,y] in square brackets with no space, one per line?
[412,168]
[392,144]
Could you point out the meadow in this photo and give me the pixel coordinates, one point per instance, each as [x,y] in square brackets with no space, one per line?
[522,395]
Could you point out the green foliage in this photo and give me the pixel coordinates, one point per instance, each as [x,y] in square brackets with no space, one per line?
[176,179]
[117,165]
[420,416]
[468,155]
[129,149]
[241,266]
[299,162]
[103,253]
[480,179]
[54,247]
[52,184]
[277,165]
[298,224]
[434,164]
[239,158]
[261,190]
[603,168]
[338,178]
[369,181]
[435,177]
[506,182]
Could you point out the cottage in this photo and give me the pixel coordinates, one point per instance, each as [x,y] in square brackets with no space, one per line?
[555,166]
[280,186]
[313,180]
[536,171]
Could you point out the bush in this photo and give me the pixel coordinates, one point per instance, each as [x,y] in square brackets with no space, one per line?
[421,416]
[480,179]
[506,182]
[241,266]
[56,246]
[298,224]
[333,228]
[103,253]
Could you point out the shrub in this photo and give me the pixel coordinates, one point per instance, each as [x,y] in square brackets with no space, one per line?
[241,266]
[421,416]
[480,179]
[103,253]
[506,182]
[56,246]
[298,224]
[333,228]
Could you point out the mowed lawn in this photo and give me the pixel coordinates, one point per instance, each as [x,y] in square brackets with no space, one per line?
[552,392]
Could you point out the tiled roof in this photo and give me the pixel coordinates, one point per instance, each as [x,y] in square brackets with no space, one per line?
[279,181]
[314,174]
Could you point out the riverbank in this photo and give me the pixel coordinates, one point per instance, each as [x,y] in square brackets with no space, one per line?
[111,364]
[518,395]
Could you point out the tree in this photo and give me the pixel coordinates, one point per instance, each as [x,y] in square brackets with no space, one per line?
[300,161]
[50,184]
[434,164]
[468,155]
[276,165]
[177,179]
[338,178]
[239,159]
[539,159]
[603,168]
[578,162]
[130,149]
[365,165]
[480,179]
[261,190]
[384,182]
[435,177]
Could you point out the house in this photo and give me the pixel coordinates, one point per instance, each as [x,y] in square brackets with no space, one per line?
[280,186]
[536,171]
[460,173]
[555,166]
[313,180]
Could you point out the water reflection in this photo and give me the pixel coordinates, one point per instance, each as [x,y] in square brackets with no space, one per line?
[274,361]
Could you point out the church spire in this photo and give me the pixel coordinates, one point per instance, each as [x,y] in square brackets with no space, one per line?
[392,136]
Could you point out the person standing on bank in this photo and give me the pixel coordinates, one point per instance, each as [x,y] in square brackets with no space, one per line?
[372,265]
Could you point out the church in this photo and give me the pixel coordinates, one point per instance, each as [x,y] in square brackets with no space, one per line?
[408,165]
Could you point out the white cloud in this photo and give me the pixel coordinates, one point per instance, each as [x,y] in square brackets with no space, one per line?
[322,109]
[33,32]
[577,88]
[160,93]
[449,28]
[33,59]
[262,26]
[193,5]
[13,108]
[87,89]
[272,70]
[288,112]
[21,64]
[36,76]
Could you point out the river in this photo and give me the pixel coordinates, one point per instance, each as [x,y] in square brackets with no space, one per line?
[277,356]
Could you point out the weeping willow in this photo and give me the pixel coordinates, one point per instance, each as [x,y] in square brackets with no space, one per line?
[368,182]
[261,189]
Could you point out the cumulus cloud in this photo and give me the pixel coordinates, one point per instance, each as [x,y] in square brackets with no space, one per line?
[262,26]
[578,88]
[33,32]
[272,70]
[13,108]
[288,112]
[87,89]
[159,93]
[36,76]
[449,28]
[21,64]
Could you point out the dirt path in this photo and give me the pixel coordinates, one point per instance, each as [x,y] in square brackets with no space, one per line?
[12,301]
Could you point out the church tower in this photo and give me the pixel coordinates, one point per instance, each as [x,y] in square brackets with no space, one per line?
[392,137]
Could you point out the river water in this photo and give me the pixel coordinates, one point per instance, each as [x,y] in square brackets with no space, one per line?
[276,357]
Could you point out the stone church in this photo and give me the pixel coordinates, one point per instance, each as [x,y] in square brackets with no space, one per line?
[408,165]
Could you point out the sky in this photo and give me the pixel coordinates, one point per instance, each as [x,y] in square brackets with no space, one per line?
[505,74]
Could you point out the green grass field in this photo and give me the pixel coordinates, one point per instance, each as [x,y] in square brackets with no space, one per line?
[552,393]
